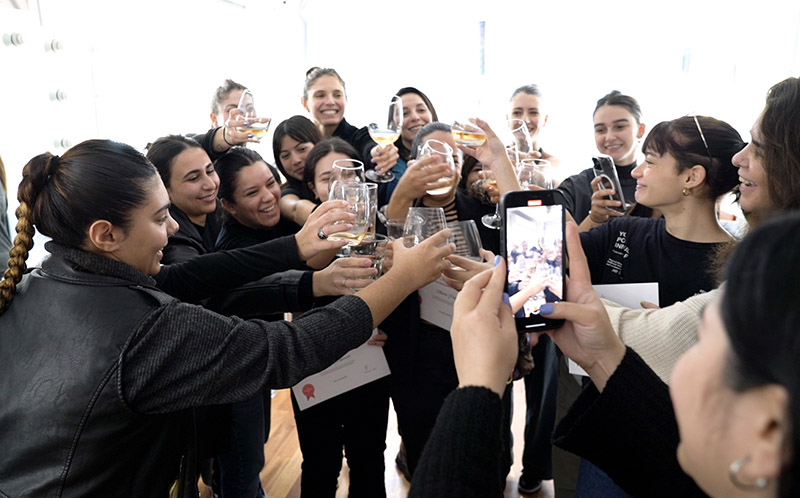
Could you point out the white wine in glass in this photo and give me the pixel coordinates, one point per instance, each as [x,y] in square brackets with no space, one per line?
[386,134]
[444,153]
[466,133]
[358,202]
[254,125]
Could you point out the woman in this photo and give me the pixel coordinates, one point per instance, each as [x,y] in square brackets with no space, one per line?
[617,131]
[292,140]
[417,112]
[319,165]
[687,168]
[526,103]
[355,420]
[420,353]
[324,96]
[134,360]
[729,428]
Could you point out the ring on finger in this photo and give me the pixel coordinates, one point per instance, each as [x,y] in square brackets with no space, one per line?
[321,234]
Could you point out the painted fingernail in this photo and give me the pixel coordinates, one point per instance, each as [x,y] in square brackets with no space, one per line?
[250,135]
[496,260]
[506,299]
[641,303]
[546,309]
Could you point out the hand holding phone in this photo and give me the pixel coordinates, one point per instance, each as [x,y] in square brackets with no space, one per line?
[533,244]
[605,170]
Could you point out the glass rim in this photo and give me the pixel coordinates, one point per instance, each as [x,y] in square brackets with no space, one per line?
[359,164]
[536,161]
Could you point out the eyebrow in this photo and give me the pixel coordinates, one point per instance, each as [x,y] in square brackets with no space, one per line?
[163,208]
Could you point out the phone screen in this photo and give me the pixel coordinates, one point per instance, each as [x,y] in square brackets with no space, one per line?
[535,254]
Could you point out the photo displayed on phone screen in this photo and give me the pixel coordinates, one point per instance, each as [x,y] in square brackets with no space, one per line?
[534,245]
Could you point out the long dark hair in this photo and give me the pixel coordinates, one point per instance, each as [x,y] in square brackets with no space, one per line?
[402,150]
[62,196]
[298,128]
[229,165]
[761,316]
[163,151]
[779,144]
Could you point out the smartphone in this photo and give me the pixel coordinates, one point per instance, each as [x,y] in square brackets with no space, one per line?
[532,238]
[605,169]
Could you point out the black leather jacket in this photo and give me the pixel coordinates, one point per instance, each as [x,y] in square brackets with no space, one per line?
[63,413]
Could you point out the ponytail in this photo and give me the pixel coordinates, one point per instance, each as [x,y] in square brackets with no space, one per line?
[34,179]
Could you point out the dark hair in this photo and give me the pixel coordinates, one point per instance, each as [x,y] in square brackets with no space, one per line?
[315,73]
[618,99]
[322,149]
[62,197]
[298,128]
[222,93]
[163,151]
[681,139]
[470,163]
[424,132]
[402,150]
[229,164]
[760,313]
[529,89]
[779,146]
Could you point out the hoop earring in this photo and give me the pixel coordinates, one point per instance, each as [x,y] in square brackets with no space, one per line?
[686,192]
[733,473]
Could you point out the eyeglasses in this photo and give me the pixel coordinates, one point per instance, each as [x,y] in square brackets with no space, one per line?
[703,137]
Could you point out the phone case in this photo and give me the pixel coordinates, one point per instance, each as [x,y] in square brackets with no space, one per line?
[604,166]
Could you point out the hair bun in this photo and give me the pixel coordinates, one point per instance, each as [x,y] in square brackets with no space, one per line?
[311,71]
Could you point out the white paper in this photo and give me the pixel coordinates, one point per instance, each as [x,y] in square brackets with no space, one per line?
[359,366]
[436,303]
[628,295]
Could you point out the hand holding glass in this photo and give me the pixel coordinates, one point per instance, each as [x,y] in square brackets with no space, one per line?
[535,172]
[466,133]
[386,134]
[251,124]
[522,137]
[444,153]
[374,250]
[494,221]
[421,223]
[358,203]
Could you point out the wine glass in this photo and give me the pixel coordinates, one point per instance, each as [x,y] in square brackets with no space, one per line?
[536,172]
[394,228]
[386,134]
[444,153]
[466,133]
[251,123]
[357,197]
[467,240]
[373,249]
[372,189]
[494,220]
[421,223]
[522,137]
[344,171]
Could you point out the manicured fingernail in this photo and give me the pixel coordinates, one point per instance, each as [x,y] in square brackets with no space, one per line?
[496,260]
[546,309]
[250,135]
[506,299]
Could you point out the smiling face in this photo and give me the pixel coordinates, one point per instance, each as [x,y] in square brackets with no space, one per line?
[326,101]
[141,245]
[658,182]
[753,192]
[193,184]
[617,134]
[293,156]
[527,107]
[322,174]
[255,197]
[229,103]
[415,115]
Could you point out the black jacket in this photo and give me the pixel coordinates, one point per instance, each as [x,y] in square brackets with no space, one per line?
[99,371]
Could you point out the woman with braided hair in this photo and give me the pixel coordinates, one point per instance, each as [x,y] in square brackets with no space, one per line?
[101,369]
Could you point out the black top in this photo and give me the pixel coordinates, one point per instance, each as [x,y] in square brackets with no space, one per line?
[235,235]
[577,190]
[635,250]
[629,431]
[192,240]
[463,454]
[358,138]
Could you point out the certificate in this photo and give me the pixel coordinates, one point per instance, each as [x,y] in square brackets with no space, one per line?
[359,366]
[436,303]
[629,295]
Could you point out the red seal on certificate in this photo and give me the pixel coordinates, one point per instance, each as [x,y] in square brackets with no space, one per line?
[308,390]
